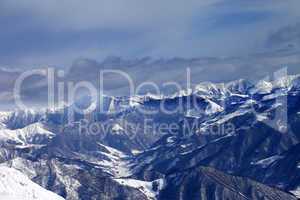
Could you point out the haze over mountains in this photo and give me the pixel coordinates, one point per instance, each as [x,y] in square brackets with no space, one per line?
[158,71]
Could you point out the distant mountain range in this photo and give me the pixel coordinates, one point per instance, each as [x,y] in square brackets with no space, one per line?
[145,69]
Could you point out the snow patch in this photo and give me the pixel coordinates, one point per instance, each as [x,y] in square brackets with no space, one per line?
[186,145]
[117,165]
[232,115]
[117,128]
[221,138]
[263,87]
[171,139]
[135,151]
[213,108]
[296,192]
[148,188]
[192,113]
[267,161]
[135,101]
[261,117]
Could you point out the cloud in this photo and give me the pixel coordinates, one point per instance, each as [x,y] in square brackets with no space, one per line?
[285,37]
[56,32]
[112,14]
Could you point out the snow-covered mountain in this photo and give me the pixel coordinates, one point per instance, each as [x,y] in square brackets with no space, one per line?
[16,186]
[254,155]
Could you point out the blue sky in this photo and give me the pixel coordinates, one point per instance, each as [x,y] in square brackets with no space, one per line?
[57,32]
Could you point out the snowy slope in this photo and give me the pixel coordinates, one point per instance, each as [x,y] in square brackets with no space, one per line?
[31,134]
[16,186]
[3,117]
[296,192]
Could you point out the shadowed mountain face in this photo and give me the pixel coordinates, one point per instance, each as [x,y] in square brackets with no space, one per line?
[208,183]
[232,141]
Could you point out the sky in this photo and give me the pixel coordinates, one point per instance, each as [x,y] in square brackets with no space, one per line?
[57,32]
[157,40]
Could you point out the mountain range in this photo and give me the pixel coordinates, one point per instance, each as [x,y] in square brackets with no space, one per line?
[234,140]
